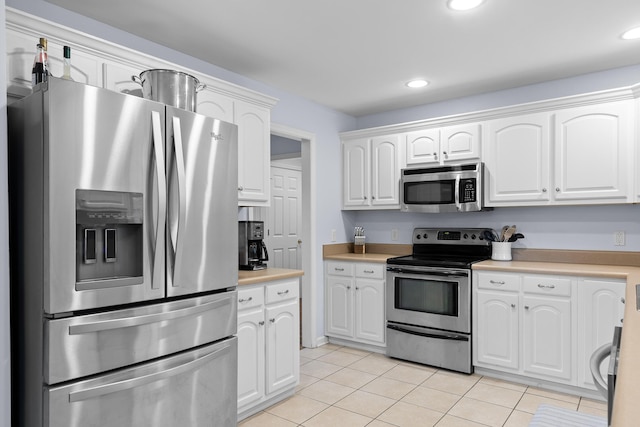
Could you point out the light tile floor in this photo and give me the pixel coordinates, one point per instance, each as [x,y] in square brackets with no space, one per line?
[346,387]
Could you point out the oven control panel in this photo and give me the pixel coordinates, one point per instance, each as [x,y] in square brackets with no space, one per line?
[456,236]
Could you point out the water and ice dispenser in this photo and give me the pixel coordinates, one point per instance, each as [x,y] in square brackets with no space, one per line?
[109,239]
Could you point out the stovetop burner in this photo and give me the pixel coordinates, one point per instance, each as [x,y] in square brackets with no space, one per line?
[434,247]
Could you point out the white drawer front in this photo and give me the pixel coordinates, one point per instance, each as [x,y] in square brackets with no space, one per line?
[336,268]
[283,291]
[547,285]
[250,298]
[373,271]
[498,282]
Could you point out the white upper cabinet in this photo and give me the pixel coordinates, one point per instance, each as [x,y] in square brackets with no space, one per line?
[216,105]
[371,172]
[579,155]
[254,153]
[449,144]
[592,148]
[516,158]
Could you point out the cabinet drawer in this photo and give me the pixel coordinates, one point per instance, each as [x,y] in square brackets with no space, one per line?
[249,298]
[373,271]
[547,285]
[340,268]
[282,291]
[497,281]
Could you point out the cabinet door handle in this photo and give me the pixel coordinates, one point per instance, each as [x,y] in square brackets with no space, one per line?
[444,153]
[526,307]
[272,320]
[365,197]
[544,190]
[541,286]
[245,299]
[622,300]
[513,306]
[261,323]
[357,288]
[557,189]
[348,287]
[496,282]
[373,197]
[241,188]
[283,292]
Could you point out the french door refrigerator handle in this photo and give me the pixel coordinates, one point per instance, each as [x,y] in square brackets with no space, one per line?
[157,252]
[457,193]
[104,325]
[178,241]
[92,392]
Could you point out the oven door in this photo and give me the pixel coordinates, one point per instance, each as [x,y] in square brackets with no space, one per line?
[429,297]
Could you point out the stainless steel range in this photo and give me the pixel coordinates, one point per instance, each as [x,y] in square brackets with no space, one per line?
[429,297]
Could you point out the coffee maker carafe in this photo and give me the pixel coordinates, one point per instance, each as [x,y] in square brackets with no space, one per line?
[252,250]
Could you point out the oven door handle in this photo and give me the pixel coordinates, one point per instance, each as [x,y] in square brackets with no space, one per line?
[433,334]
[443,273]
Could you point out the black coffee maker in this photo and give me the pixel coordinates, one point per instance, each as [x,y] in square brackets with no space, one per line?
[251,248]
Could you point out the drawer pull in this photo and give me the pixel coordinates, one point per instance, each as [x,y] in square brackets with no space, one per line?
[338,269]
[245,299]
[283,292]
[369,271]
[541,286]
[496,282]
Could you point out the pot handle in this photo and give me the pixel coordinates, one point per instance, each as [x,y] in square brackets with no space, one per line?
[137,80]
[200,87]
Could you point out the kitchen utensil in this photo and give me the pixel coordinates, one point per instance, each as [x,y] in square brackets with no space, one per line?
[508,233]
[490,235]
[170,87]
[504,230]
[515,237]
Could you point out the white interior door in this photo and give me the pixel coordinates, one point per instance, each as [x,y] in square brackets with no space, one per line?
[285,219]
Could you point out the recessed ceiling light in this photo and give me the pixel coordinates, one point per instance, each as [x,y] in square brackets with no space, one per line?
[633,33]
[464,4]
[418,83]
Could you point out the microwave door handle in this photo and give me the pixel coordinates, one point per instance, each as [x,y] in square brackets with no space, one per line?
[457,192]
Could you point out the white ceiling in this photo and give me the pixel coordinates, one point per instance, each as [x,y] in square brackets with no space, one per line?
[355,55]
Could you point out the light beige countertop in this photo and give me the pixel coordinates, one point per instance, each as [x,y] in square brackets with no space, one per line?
[374,252]
[626,409]
[246,277]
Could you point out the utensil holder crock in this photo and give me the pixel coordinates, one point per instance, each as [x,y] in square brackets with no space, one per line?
[501,251]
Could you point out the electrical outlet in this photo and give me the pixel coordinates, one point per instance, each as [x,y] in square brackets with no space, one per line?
[333,235]
[618,238]
[394,234]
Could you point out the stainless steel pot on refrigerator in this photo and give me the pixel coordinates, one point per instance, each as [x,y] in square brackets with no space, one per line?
[123,260]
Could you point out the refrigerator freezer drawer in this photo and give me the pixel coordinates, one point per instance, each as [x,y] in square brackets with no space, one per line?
[194,388]
[85,345]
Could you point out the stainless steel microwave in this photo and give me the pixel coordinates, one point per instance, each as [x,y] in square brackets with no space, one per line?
[450,188]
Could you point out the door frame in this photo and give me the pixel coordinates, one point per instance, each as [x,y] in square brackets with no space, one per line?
[308,281]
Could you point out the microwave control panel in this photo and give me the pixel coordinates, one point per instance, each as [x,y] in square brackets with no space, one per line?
[468,190]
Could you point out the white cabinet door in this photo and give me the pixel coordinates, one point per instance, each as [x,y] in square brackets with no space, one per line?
[423,147]
[283,346]
[369,310]
[497,331]
[254,154]
[460,142]
[516,158]
[592,149]
[546,343]
[355,174]
[251,357]
[600,309]
[385,171]
[339,302]
[214,104]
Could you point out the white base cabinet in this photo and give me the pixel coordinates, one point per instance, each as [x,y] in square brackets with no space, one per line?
[543,326]
[268,344]
[354,301]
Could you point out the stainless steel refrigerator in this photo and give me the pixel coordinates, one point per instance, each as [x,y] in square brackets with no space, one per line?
[124,266]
